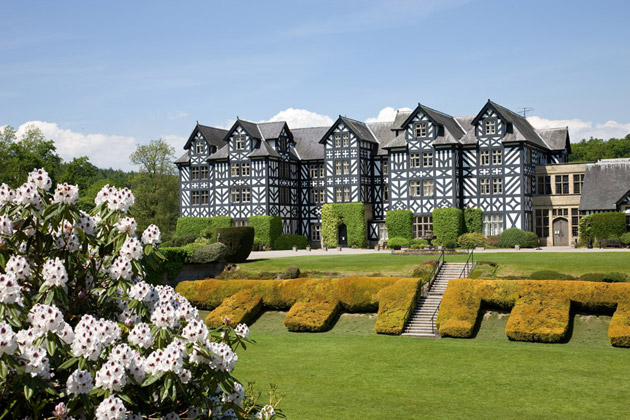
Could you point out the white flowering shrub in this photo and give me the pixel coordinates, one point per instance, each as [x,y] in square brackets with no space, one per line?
[82,335]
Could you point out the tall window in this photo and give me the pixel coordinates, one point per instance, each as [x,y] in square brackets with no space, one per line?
[544,185]
[366,194]
[484,157]
[422,226]
[385,168]
[497,185]
[239,141]
[414,189]
[491,127]
[421,129]
[346,194]
[316,232]
[427,187]
[239,223]
[414,160]
[497,157]
[194,172]
[204,197]
[562,184]
[245,169]
[321,170]
[337,139]
[338,194]
[338,167]
[198,147]
[385,192]
[382,232]
[427,159]
[194,198]
[492,224]
[204,172]
[528,184]
[246,195]
[346,167]
[484,186]
[317,195]
[234,169]
[235,195]
[346,139]
[542,223]
[314,171]
[575,221]
[578,181]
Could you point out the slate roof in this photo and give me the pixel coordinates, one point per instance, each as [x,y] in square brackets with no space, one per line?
[605,184]
[307,143]
[522,129]
[401,117]
[360,129]
[222,153]
[383,132]
[397,142]
[264,150]
[466,123]
[185,158]
[271,130]
[556,138]
[213,136]
[251,128]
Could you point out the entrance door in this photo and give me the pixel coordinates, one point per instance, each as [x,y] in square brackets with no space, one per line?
[561,232]
[342,235]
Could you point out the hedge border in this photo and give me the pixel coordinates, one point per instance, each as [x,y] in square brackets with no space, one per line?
[399,224]
[353,215]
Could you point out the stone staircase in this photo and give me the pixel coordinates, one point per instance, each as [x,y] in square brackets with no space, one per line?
[421,321]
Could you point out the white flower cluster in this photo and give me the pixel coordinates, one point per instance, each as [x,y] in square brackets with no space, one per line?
[90,335]
[54,273]
[6,225]
[111,408]
[19,267]
[79,382]
[40,179]
[242,330]
[127,225]
[116,199]
[8,339]
[141,336]
[6,194]
[27,195]
[151,235]
[67,238]
[10,289]
[87,223]
[121,269]
[266,412]
[66,194]
[131,249]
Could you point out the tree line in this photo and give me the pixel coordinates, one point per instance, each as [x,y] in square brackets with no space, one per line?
[155,184]
[593,149]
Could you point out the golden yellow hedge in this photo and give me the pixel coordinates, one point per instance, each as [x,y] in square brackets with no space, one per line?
[540,310]
[393,298]
[240,307]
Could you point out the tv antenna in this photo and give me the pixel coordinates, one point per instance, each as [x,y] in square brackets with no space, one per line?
[526,110]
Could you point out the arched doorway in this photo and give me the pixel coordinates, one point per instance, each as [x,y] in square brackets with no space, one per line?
[342,235]
[561,232]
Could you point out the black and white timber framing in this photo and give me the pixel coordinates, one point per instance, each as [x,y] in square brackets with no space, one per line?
[423,160]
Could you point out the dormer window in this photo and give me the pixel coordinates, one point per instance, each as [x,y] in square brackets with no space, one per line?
[239,142]
[491,127]
[337,139]
[421,129]
[346,139]
[198,147]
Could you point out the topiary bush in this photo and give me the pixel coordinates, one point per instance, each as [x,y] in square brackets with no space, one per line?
[268,228]
[473,220]
[493,240]
[353,215]
[195,225]
[82,335]
[625,239]
[471,240]
[212,253]
[239,241]
[257,244]
[484,270]
[448,225]
[399,223]
[549,275]
[512,237]
[615,277]
[418,241]
[181,240]
[531,240]
[397,243]
[291,272]
[592,277]
[285,242]
[214,223]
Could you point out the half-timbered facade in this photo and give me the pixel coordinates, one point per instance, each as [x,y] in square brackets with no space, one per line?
[424,159]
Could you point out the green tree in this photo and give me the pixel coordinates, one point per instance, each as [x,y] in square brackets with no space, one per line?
[156,187]
[593,149]
[79,171]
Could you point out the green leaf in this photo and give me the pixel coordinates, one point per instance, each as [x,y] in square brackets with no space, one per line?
[152,379]
[28,392]
[51,346]
[69,363]
[4,369]
[126,399]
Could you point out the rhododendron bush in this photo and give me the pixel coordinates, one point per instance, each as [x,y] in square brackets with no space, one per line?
[83,335]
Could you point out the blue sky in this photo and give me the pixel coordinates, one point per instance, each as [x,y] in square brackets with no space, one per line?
[101,77]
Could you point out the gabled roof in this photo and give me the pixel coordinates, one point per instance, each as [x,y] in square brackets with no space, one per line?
[449,122]
[401,116]
[272,130]
[556,138]
[522,130]
[250,127]
[185,158]
[357,127]
[397,142]
[605,184]
[307,143]
[265,150]
[214,136]
[222,153]
[383,132]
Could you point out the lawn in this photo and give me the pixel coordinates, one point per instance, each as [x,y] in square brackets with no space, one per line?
[352,373]
[510,263]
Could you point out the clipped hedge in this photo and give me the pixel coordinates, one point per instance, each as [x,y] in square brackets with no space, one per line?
[609,225]
[397,242]
[194,225]
[284,242]
[312,316]
[471,240]
[180,241]
[540,310]
[353,215]
[242,307]
[175,258]
[268,228]
[239,241]
[353,294]
[399,224]
[625,239]
[217,252]
[215,223]
[512,237]
[448,225]
[473,219]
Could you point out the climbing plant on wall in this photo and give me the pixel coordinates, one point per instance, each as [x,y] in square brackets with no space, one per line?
[352,214]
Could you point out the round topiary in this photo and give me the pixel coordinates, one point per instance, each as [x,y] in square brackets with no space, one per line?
[239,241]
[471,240]
[397,242]
[291,272]
[531,240]
[615,277]
[625,239]
[212,253]
[512,237]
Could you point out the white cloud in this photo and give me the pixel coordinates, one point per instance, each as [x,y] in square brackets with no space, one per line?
[177,142]
[177,115]
[299,118]
[579,129]
[386,114]
[103,150]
